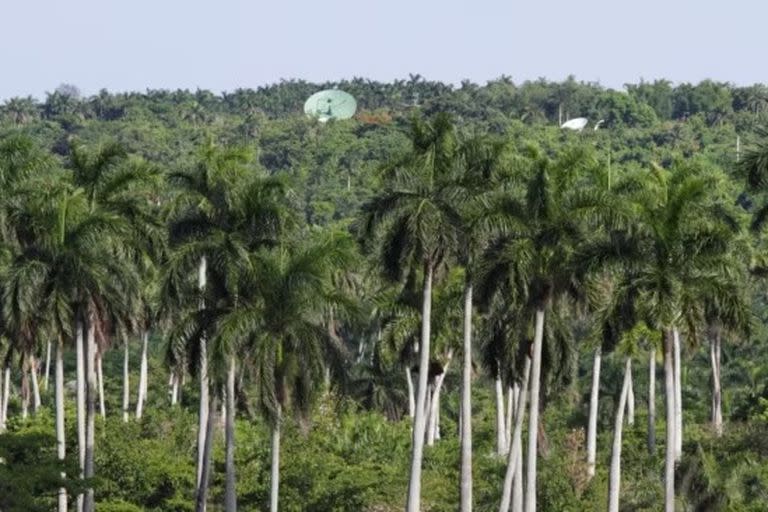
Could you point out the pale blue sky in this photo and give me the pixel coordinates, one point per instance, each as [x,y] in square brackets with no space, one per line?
[226,44]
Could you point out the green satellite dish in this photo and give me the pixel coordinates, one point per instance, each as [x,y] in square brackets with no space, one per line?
[330,104]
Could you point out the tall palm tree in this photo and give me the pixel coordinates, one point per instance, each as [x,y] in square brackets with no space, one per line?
[676,247]
[224,209]
[536,251]
[417,217]
[481,160]
[73,266]
[282,316]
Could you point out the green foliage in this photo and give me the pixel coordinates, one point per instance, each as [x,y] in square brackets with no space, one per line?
[30,472]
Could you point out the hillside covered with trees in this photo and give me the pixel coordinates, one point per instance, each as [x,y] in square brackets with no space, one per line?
[214,302]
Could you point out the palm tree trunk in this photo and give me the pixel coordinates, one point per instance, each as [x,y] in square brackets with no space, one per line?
[2,403]
[652,401]
[47,367]
[90,412]
[411,398]
[143,371]
[275,471]
[517,487]
[204,412]
[61,450]
[126,380]
[414,484]
[3,400]
[512,398]
[717,399]
[592,422]
[6,392]
[615,479]
[533,416]
[434,417]
[466,404]
[514,457]
[201,493]
[24,389]
[501,437]
[100,380]
[174,389]
[80,353]
[678,398]
[428,407]
[630,400]
[230,499]
[35,384]
[669,391]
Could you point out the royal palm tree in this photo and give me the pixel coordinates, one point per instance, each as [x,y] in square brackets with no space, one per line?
[223,211]
[282,317]
[73,266]
[536,251]
[676,247]
[417,217]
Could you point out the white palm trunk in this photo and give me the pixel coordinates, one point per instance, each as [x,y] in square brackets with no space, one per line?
[594,398]
[717,398]
[669,391]
[174,389]
[230,497]
[414,484]
[80,356]
[2,403]
[90,413]
[678,398]
[434,416]
[126,380]
[201,493]
[275,470]
[501,436]
[61,450]
[630,400]
[614,484]
[204,384]
[514,474]
[466,405]
[100,381]
[512,392]
[143,371]
[35,384]
[652,401]
[533,416]
[6,397]
[24,391]
[428,409]
[411,397]
[517,486]
[47,366]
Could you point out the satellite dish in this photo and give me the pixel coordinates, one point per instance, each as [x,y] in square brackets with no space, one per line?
[577,123]
[330,104]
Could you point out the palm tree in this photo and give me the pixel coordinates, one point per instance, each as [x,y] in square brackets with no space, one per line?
[536,252]
[417,215]
[224,210]
[481,159]
[73,267]
[281,317]
[676,247]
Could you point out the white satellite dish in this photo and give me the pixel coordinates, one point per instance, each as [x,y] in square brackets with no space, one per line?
[577,123]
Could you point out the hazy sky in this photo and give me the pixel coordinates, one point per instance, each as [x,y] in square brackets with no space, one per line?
[222,45]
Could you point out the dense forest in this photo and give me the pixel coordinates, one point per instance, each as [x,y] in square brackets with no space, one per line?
[214,302]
